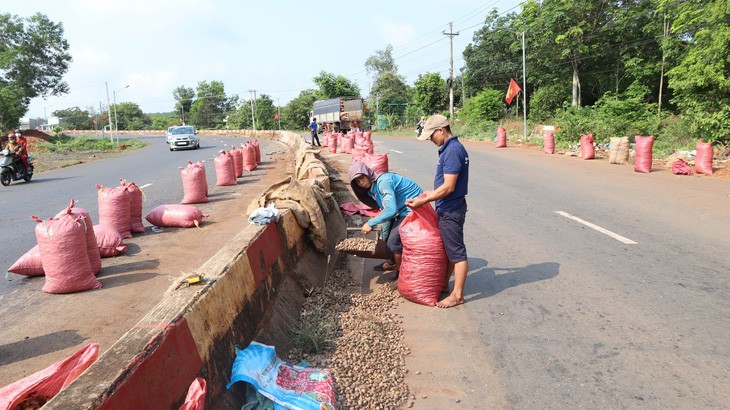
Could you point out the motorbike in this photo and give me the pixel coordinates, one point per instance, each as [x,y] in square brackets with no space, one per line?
[12,168]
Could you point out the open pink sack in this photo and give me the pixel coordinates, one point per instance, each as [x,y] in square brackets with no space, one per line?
[703,160]
[195,399]
[378,163]
[92,250]
[549,143]
[587,150]
[194,184]
[224,169]
[62,243]
[29,264]
[644,150]
[115,209]
[108,240]
[180,216]
[46,383]
[136,199]
[423,267]
[681,167]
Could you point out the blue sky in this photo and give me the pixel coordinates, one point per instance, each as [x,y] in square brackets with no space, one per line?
[275,48]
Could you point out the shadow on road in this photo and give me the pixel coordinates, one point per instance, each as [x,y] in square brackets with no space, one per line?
[484,281]
[39,345]
[117,275]
[42,180]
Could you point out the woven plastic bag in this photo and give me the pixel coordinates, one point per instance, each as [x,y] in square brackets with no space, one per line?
[115,209]
[62,243]
[703,160]
[257,149]
[45,384]
[29,264]
[292,387]
[195,399]
[108,240]
[681,167]
[237,156]
[92,250]
[587,151]
[423,267]
[644,148]
[180,216]
[136,199]
[548,145]
[194,184]
[249,157]
[618,151]
[378,163]
[225,171]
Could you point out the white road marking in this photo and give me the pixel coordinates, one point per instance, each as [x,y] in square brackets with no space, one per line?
[615,236]
[396,151]
[144,186]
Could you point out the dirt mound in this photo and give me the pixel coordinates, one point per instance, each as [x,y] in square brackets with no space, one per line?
[35,133]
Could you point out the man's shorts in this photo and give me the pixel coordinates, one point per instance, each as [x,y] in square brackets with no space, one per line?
[451,225]
[394,244]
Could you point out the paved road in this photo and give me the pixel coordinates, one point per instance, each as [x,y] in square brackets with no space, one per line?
[561,315]
[155,168]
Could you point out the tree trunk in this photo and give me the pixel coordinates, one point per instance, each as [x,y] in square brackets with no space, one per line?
[576,86]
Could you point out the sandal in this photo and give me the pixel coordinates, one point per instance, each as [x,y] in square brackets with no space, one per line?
[386,266]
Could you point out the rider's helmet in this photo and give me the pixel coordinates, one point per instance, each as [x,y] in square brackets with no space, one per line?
[11,135]
[18,132]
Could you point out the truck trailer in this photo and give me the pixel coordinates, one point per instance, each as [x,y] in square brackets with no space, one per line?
[340,113]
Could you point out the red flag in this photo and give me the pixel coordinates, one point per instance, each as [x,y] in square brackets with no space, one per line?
[181,121]
[95,122]
[276,116]
[104,118]
[366,107]
[512,91]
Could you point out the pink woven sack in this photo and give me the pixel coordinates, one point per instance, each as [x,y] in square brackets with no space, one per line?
[194,184]
[108,240]
[501,137]
[587,150]
[249,157]
[46,383]
[549,143]
[256,148]
[200,165]
[423,267]
[348,144]
[224,169]
[115,209]
[136,199]
[92,249]
[29,264]
[180,216]
[378,163]
[195,399]
[703,160]
[237,156]
[644,150]
[62,243]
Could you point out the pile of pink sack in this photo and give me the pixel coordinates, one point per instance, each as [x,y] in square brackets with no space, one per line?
[363,144]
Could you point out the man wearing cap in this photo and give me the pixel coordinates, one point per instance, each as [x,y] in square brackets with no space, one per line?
[450,189]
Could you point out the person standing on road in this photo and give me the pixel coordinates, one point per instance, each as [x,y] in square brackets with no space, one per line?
[450,189]
[388,192]
[313,128]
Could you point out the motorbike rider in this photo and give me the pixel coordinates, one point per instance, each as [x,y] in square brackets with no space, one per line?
[421,124]
[13,145]
[23,152]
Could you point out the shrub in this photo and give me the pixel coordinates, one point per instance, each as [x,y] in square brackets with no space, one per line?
[487,105]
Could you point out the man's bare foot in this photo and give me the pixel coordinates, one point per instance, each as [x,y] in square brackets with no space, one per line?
[446,289]
[450,301]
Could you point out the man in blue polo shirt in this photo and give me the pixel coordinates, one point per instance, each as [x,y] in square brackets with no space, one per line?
[313,128]
[450,189]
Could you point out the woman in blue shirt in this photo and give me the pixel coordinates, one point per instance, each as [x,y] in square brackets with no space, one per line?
[388,192]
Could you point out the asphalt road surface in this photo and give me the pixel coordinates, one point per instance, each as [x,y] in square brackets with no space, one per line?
[590,286]
[153,168]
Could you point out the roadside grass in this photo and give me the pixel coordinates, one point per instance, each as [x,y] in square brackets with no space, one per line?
[64,143]
[313,332]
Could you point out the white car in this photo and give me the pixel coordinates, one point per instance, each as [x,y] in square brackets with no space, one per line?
[183,137]
[168,133]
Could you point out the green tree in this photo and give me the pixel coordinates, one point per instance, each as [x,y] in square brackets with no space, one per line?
[74,118]
[701,81]
[163,122]
[332,86]
[391,89]
[381,62]
[265,112]
[211,105]
[487,105]
[130,117]
[33,60]
[240,118]
[184,97]
[430,92]
[295,115]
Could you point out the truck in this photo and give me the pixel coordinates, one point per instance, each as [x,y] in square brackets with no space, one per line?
[340,112]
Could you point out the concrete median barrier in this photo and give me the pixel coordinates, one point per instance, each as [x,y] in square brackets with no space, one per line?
[248,290]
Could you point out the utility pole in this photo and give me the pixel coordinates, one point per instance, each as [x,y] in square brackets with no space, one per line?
[377,108]
[253,117]
[102,119]
[451,35]
[463,93]
[109,110]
